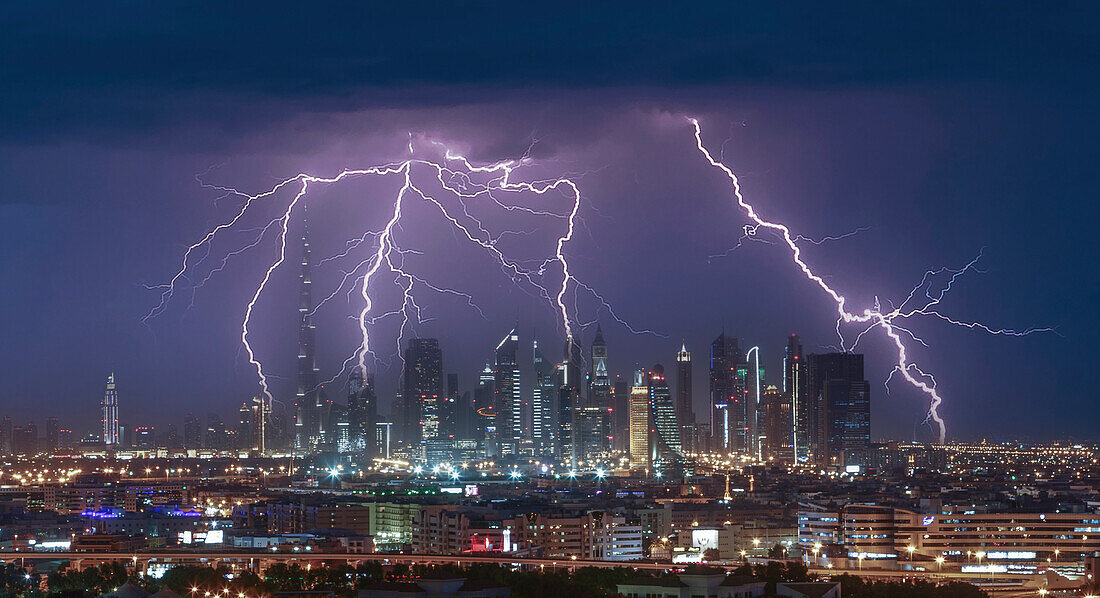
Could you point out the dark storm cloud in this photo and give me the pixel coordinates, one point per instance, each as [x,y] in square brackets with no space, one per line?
[75,66]
[946,128]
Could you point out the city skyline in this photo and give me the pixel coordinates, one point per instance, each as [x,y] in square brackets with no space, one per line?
[855,148]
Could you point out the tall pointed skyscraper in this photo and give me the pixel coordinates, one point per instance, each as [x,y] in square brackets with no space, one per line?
[307,420]
[685,415]
[110,413]
[600,385]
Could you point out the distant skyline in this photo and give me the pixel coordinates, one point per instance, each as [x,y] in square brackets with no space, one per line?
[936,138]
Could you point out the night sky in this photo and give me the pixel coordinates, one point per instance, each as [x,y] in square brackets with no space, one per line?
[944,131]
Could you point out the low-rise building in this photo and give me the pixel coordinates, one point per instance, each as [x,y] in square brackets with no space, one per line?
[436,588]
[698,581]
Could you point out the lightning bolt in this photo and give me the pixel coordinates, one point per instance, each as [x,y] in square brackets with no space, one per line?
[461,181]
[874,317]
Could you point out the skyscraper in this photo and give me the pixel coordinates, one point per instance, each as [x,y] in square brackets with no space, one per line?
[666,439]
[593,419]
[599,389]
[53,435]
[362,413]
[508,388]
[569,394]
[727,395]
[485,408]
[795,382]
[172,440]
[778,425]
[620,414]
[448,416]
[110,413]
[25,439]
[6,432]
[842,406]
[244,429]
[685,415]
[192,432]
[217,437]
[261,424]
[308,430]
[421,388]
[640,422]
[441,446]
[544,397]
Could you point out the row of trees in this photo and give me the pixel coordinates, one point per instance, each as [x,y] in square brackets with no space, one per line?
[345,580]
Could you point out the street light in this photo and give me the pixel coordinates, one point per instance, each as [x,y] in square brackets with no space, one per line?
[939,561]
[860,559]
[910,550]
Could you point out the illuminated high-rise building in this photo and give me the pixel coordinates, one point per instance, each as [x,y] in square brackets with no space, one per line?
[778,425]
[362,413]
[544,397]
[508,389]
[640,422]
[260,431]
[685,415]
[441,446]
[795,381]
[308,427]
[570,387]
[485,422]
[754,402]
[109,408]
[599,388]
[666,444]
[593,418]
[842,406]
[145,437]
[421,388]
[727,395]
